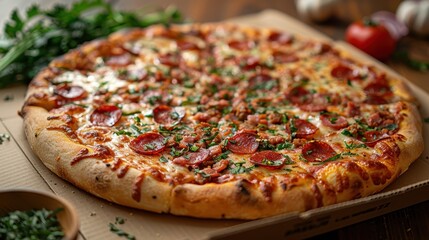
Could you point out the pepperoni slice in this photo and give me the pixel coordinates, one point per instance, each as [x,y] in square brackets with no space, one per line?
[334,121]
[169,60]
[106,115]
[185,45]
[375,100]
[268,159]
[301,128]
[377,92]
[120,60]
[344,72]
[370,138]
[317,151]
[316,102]
[320,101]
[166,115]
[70,92]
[322,48]
[148,144]
[241,45]
[282,38]
[243,143]
[193,158]
[282,57]
[352,109]
[313,107]
[70,109]
[249,63]
[378,88]
[298,95]
[311,102]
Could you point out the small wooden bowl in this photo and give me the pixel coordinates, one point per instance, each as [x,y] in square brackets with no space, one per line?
[24,200]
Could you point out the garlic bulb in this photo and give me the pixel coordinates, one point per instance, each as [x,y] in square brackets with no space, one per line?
[317,10]
[415,14]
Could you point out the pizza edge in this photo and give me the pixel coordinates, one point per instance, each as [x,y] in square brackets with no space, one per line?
[245,201]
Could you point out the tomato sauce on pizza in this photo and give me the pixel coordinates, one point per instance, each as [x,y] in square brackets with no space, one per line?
[221,121]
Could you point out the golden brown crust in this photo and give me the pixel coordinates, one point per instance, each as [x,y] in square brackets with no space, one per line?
[241,198]
[57,152]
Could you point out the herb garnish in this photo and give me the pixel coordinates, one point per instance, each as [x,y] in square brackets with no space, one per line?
[33,224]
[288,160]
[193,148]
[264,144]
[223,155]
[284,145]
[353,145]
[238,167]
[163,159]
[135,129]
[190,100]
[120,232]
[4,137]
[202,173]
[390,127]
[175,153]
[32,41]
[363,125]
[119,220]
[347,133]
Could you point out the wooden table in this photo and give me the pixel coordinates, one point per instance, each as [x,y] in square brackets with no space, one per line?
[407,223]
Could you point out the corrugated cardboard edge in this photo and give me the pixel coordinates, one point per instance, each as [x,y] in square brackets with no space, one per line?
[321,220]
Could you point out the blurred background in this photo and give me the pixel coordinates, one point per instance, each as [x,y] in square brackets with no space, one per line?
[331,17]
[218,10]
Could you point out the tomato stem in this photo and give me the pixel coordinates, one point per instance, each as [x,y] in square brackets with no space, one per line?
[369,22]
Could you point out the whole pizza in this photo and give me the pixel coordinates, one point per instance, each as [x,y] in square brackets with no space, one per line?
[221,121]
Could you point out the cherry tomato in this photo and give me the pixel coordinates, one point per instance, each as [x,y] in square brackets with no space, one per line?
[371,38]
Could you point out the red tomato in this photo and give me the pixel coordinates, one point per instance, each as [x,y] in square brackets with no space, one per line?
[371,38]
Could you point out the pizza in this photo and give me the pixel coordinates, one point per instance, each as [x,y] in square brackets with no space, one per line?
[221,121]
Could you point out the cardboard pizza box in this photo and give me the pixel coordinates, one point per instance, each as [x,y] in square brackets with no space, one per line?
[20,168]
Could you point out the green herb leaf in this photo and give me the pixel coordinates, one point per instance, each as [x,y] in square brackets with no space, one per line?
[390,127]
[238,168]
[31,45]
[347,133]
[285,145]
[4,137]
[354,146]
[119,220]
[194,148]
[163,159]
[120,232]
[223,155]
[202,173]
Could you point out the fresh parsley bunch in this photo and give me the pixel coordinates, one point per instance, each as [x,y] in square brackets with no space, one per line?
[29,43]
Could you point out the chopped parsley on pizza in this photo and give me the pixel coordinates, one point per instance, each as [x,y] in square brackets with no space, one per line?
[221,121]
